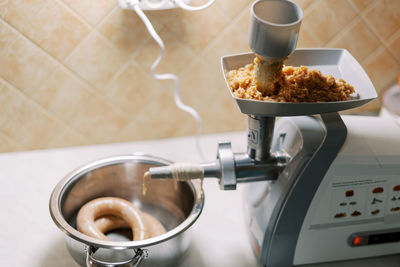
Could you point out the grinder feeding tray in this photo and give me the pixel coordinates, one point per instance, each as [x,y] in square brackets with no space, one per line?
[336,62]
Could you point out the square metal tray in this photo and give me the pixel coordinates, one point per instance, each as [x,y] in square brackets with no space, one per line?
[337,62]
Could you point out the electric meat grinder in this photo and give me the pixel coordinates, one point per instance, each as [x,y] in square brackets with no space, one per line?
[325,188]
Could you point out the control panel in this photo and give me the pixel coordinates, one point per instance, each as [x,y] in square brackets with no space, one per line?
[364,199]
[355,212]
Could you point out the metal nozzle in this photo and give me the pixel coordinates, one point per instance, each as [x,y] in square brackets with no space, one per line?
[179,171]
[274,28]
[229,168]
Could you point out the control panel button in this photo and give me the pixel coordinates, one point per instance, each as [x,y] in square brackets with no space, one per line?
[340,215]
[374,212]
[349,193]
[396,188]
[355,213]
[377,190]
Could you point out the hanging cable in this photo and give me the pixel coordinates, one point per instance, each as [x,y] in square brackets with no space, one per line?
[184,6]
[156,4]
[134,4]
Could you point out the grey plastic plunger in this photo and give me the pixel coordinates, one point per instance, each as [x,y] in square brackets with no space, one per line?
[274,28]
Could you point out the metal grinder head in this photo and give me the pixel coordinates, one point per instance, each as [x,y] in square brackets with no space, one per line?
[274,28]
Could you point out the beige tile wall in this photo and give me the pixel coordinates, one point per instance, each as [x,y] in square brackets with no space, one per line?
[76,72]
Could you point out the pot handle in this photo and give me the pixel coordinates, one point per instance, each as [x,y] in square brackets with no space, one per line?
[134,262]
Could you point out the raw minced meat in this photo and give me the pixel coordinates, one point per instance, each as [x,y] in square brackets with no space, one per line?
[296,84]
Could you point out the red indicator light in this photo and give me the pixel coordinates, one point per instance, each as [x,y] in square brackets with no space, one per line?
[360,241]
[377,190]
[349,193]
[356,241]
[396,188]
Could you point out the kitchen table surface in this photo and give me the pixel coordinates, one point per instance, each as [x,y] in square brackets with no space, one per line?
[30,238]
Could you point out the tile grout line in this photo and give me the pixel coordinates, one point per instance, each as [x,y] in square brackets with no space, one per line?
[101,95]
[51,73]
[105,17]
[310,7]
[32,42]
[93,31]
[394,36]
[223,11]
[90,27]
[38,105]
[147,69]
[179,73]
[314,3]
[346,27]
[83,39]
[343,31]
[100,23]
[117,73]
[201,52]
[100,91]
[12,42]
[371,56]
[20,34]
[215,40]
[42,7]
[57,61]
[52,115]
[70,10]
[372,29]
[75,13]
[380,47]
[391,39]
[308,10]
[354,7]
[360,16]
[97,91]
[94,28]
[231,24]
[135,63]
[18,145]
[130,58]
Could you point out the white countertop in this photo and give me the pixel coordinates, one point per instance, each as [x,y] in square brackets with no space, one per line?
[28,236]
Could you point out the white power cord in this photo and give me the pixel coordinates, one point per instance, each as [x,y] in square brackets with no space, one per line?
[134,4]
[156,4]
[185,6]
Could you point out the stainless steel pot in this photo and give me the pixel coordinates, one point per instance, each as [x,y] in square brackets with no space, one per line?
[177,205]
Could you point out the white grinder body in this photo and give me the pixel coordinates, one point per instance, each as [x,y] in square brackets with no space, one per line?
[355,211]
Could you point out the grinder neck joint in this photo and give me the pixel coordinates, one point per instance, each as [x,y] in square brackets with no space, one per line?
[260,131]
